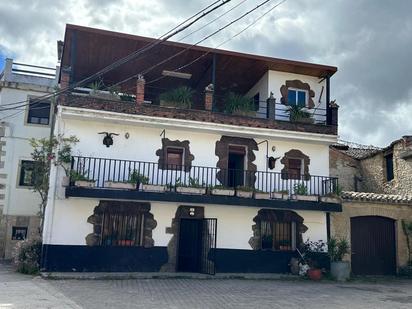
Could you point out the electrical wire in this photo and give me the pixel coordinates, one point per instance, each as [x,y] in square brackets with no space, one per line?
[193,45]
[210,8]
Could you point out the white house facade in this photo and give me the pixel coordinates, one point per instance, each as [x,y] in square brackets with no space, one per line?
[22,118]
[156,187]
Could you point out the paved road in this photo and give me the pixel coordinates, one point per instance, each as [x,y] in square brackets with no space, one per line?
[19,291]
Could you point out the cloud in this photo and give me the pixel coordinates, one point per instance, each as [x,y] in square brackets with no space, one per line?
[370,42]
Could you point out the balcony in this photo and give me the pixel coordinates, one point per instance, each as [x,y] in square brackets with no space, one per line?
[126,179]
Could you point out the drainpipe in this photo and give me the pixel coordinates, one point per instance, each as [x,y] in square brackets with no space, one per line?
[328,110]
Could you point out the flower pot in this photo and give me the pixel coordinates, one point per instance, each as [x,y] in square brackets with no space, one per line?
[125,242]
[154,188]
[280,196]
[85,183]
[228,192]
[330,199]
[120,185]
[244,194]
[314,274]
[310,198]
[340,270]
[262,195]
[191,190]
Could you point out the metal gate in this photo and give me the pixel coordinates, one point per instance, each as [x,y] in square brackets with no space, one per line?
[373,245]
[197,241]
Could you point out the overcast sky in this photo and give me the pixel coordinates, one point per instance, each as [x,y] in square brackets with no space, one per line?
[369,41]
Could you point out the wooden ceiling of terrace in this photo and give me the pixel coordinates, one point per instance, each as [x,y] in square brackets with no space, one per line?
[88,50]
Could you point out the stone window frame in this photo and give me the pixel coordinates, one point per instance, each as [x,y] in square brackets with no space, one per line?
[295,154]
[188,157]
[297,85]
[149,223]
[276,215]
[222,152]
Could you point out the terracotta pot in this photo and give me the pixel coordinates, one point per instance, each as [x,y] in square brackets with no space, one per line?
[126,242]
[314,274]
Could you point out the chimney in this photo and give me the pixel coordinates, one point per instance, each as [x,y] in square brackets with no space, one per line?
[209,97]
[64,78]
[140,90]
[271,107]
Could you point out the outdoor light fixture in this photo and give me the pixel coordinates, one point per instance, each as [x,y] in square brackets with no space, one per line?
[176,74]
[108,139]
[191,212]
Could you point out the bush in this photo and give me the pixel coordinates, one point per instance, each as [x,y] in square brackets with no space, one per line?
[337,249]
[26,256]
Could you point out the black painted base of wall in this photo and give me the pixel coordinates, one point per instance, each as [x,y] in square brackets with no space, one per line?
[65,258]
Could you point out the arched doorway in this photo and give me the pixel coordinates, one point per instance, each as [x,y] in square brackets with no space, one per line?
[373,245]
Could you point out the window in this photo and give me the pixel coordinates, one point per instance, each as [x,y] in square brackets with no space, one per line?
[295,168]
[278,235]
[122,229]
[174,157]
[256,101]
[39,112]
[26,173]
[389,166]
[297,97]
[19,233]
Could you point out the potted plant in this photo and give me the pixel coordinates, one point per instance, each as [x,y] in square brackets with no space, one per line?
[281,194]
[337,249]
[237,104]
[96,91]
[138,179]
[193,187]
[151,187]
[301,193]
[222,190]
[312,253]
[80,180]
[244,191]
[179,98]
[128,239]
[261,195]
[284,245]
[298,114]
[332,197]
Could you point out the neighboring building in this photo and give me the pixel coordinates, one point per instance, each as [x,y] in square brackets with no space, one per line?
[19,205]
[372,217]
[172,218]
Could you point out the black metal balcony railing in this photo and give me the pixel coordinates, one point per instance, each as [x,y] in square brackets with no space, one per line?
[102,171]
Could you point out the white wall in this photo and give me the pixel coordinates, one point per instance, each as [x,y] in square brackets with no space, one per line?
[19,200]
[144,141]
[272,81]
[234,223]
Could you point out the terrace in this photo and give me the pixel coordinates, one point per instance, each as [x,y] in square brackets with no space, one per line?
[126,179]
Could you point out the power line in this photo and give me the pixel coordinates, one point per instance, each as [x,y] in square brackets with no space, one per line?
[189,47]
[224,42]
[210,8]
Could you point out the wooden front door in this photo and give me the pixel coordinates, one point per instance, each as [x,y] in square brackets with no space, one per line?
[373,245]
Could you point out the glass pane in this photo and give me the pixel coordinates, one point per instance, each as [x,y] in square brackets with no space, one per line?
[291,97]
[302,98]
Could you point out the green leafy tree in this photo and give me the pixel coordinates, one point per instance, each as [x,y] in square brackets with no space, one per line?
[48,151]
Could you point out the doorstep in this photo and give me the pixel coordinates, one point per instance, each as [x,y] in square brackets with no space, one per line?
[162,275]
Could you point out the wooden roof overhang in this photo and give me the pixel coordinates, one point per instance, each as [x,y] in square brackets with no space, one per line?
[87,50]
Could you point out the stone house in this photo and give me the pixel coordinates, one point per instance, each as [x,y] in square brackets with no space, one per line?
[377,197]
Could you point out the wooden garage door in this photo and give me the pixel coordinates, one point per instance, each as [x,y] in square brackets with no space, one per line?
[373,245]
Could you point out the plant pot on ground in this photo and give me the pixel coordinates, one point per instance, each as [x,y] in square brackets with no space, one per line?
[337,249]
[244,191]
[313,252]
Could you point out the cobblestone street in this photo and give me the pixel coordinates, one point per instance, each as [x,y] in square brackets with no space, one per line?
[20,291]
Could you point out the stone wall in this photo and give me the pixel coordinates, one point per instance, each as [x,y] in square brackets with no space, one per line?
[345,168]
[340,222]
[31,222]
[373,170]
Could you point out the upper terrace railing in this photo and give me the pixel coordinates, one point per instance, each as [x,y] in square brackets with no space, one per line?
[102,171]
[35,70]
